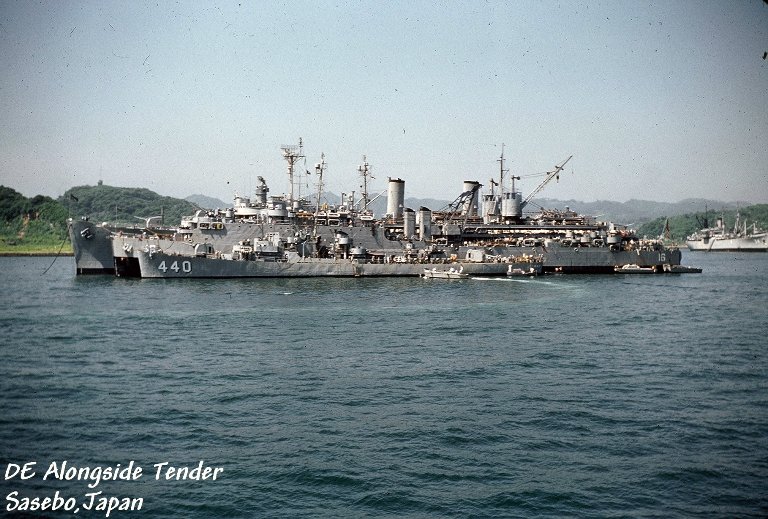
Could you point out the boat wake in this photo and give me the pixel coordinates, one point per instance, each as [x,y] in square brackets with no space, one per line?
[532,280]
[510,279]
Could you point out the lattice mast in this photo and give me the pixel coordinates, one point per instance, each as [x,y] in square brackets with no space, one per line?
[365,171]
[292,153]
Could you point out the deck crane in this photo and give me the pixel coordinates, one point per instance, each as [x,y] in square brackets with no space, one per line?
[550,175]
[461,200]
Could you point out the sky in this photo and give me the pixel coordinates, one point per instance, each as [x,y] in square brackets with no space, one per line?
[654,100]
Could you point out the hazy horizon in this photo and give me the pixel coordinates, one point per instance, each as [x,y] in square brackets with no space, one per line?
[659,102]
[541,196]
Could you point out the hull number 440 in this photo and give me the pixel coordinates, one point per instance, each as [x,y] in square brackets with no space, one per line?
[184,266]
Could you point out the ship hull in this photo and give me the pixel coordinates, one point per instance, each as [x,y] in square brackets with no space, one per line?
[115,253]
[555,256]
[597,260]
[92,248]
[750,244]
[161,265]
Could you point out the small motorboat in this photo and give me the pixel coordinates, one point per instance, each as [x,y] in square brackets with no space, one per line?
[451,273]
[682,269]
[632,268]
[517,271]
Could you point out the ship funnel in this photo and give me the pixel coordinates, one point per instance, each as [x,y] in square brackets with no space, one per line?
[470,205]
[425,224]
[260,197]
[396,198]
[511,205]
[490,208]
[409,223]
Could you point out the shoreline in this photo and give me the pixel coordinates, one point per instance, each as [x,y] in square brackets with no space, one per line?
[34,253]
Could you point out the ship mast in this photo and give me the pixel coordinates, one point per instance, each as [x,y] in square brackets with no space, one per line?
[319,169]
[365,170]
[502,171]
[292,153]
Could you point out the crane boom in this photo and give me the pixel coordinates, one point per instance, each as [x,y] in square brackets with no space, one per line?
[550,175]
[453,208]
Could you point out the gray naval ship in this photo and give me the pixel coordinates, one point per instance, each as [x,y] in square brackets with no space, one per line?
[287,236]
[718,238]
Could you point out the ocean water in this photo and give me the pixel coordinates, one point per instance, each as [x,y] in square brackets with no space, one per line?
[561,396]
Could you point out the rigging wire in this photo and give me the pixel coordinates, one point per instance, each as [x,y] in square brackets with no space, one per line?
[55,257]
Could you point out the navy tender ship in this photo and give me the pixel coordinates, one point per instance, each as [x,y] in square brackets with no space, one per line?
[288,236]
[718,238]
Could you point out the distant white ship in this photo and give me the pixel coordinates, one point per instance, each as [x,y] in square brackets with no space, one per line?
[717,238]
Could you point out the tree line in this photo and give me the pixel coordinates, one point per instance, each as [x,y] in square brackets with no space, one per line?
[36,221]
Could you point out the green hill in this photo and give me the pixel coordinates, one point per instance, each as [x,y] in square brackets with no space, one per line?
[686,224]
[31,225]
[103,203]
[39,224]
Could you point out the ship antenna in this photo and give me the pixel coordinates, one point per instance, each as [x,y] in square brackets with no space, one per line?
[292,153]
[365,170]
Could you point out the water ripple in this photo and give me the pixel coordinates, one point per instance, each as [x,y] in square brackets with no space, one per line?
[563,396]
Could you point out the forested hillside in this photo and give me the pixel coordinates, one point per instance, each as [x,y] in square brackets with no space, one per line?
[124,204]
[30,224]
[39,224]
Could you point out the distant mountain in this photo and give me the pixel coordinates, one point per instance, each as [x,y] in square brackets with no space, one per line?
[207,202]
[636,212]
[379,206]
[430,203]
[632,212]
